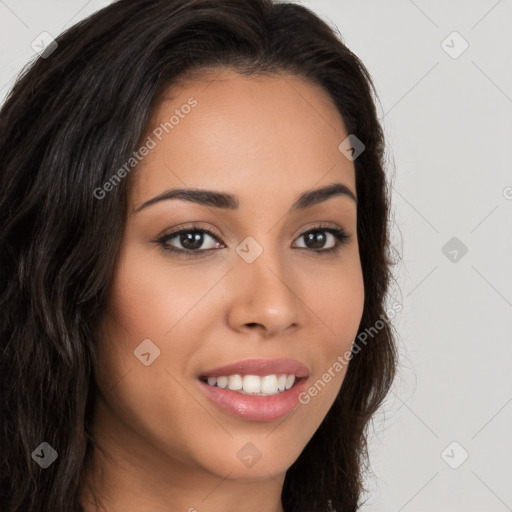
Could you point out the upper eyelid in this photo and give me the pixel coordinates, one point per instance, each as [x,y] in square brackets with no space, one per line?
[326,226]
[175,233]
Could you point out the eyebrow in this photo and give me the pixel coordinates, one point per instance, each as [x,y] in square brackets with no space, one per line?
[231,202]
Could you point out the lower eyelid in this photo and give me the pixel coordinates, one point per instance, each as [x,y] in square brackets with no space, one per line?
[165,241]
[340,235]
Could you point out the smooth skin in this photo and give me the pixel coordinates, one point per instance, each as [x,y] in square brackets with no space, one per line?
[265,140]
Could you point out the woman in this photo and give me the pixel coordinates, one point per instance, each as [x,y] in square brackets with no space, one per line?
[194,232]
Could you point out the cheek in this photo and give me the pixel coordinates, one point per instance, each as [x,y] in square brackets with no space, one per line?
[147,299]
[343,302]
[148,308]
[154,300]
[146,303]
[338,303]
[151,299]
[336,297]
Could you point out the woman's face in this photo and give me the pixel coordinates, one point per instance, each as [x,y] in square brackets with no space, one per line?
[258,293]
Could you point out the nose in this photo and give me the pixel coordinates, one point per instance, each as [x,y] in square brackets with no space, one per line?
[264,298]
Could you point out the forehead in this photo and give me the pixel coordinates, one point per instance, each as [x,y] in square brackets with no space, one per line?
[246,134]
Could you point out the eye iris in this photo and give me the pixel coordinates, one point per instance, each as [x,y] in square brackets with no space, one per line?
[191,240]
[316,238]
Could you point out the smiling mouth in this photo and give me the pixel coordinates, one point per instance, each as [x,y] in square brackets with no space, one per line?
[254,385]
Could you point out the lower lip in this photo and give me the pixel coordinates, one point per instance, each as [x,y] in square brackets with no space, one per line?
[256,408]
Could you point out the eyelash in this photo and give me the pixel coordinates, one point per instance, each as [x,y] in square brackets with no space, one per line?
[340,235]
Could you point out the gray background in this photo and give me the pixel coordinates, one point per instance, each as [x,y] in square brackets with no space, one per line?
[448,122]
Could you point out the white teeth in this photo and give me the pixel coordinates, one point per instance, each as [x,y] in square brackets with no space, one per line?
[251,384]
[269,385]
[235,382]
[254,384]
[222,382]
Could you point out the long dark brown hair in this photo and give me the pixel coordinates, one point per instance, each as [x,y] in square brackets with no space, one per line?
[77,115]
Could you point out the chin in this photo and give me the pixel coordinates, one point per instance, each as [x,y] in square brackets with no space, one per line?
[249,463]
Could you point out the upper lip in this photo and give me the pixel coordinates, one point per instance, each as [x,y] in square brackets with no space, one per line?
[260,367]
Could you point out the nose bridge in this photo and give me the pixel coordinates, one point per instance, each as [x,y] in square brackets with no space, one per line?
[264,286]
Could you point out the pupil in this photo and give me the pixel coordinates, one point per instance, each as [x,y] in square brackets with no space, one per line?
[317,239]
[191,240]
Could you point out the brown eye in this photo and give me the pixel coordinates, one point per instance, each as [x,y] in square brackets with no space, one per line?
[317,238]
[189,241]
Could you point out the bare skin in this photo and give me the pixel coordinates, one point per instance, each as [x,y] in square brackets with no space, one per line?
[266,140]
